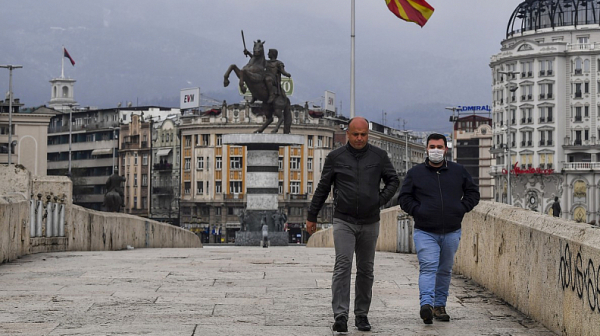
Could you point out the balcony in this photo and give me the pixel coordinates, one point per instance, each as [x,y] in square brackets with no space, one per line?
[578,94]
[581,166]
[578,71]
[542,72]
[162,191]
[298,196]
[163,167]
[234,197]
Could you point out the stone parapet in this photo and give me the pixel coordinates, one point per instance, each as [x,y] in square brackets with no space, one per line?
[546,267]
[395,230]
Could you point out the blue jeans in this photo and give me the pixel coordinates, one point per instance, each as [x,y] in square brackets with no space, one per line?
[436,257]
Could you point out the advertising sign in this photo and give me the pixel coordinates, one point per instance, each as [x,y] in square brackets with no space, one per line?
[329,101]
[287,84]
[189,98]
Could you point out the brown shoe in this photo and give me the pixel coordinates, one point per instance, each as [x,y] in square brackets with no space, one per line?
[439,313]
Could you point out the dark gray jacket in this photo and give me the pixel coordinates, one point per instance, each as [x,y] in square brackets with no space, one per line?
[356,176]
[438,198]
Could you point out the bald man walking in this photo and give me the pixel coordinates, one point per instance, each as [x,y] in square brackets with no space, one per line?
[355,171]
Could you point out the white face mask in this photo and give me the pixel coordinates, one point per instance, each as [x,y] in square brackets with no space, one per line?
[435,155]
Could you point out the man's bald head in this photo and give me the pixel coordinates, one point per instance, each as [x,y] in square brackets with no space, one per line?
[358,132]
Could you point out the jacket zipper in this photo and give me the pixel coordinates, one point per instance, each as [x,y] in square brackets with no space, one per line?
[358,184]
[442,200]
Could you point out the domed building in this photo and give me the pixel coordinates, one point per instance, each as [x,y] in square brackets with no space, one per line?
[546,90]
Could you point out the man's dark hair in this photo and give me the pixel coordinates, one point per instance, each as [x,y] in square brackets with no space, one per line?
[437,136]
[556,199]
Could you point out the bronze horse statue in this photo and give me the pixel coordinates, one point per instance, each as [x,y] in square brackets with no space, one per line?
[112,201]
[253,75]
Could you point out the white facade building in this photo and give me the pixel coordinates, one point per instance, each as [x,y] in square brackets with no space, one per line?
[546,95]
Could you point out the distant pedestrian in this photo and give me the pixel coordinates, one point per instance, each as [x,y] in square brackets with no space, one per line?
[556,208]
[437,194]
[355,171]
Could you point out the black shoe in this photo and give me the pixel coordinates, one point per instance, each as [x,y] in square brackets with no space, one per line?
[362,323]
[427,314]
[341,324]
[440,314]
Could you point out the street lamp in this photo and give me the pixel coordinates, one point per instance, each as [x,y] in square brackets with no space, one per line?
[10,100]
[453,120]
[512,88]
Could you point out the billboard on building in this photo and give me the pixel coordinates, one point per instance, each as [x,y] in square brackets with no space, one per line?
[287,85]
[189,98]
[329,101]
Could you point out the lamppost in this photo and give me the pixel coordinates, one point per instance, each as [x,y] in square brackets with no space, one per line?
[10,100]
[453,120]
[512,88]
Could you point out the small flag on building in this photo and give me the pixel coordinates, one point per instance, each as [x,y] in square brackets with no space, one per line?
[417,11]
[66,54]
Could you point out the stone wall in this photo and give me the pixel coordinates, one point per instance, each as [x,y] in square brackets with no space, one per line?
[14,228]
[389,233]
[85,230]
[546,267]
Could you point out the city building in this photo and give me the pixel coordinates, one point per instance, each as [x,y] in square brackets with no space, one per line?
[28,137]
[213,175]
[472,141]
[546,85]
[166,167]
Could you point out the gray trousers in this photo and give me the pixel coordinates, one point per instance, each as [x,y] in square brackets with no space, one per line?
[349,239]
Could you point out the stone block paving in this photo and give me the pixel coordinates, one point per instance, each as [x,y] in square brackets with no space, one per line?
[226,291]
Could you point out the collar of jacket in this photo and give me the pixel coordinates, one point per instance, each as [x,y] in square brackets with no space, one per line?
[443,166]
[355,151]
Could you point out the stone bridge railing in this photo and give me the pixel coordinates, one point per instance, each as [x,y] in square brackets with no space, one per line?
[546,267]
[84,229]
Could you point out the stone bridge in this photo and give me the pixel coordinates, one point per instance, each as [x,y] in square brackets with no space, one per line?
[517,273]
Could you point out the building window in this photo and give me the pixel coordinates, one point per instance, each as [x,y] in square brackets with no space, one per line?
[280,187]
[546,68]
[309,187]
[144,180]
[280,163]
[546,91]
[135,180]
[578,113]
[187,163]
[586,135]
[134,203]
[294,163]
[145,159]
[200,187]
[218,188]
[235,162]
[320,141]
[235,187]
[200,163]
[586,87]
[586,111]
[219,139]
[135,159]
[219,162]
[309,164]
[205,139]
[218,211]
[310,141]
[526,69]
[188,141]
[295,188]
[187,186]
[207,188]
[144,202]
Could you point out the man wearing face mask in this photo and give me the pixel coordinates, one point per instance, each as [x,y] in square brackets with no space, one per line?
[437,194]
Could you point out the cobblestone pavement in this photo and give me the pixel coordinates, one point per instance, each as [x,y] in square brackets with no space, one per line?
[226,291]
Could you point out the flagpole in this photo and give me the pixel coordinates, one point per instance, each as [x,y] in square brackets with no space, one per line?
[352,65]
[62,69]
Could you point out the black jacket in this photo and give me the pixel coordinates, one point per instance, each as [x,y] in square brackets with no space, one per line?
[356,176]
[438,198]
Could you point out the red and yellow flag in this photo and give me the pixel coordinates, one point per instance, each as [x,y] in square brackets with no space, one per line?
[417,11]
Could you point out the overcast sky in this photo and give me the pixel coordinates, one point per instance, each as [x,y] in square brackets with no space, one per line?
[145,51]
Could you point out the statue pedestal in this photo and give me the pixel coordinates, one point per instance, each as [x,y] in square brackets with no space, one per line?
[254,238]
[262,183]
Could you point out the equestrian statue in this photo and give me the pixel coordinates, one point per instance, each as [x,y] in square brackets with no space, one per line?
[113,199]
[263,79]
